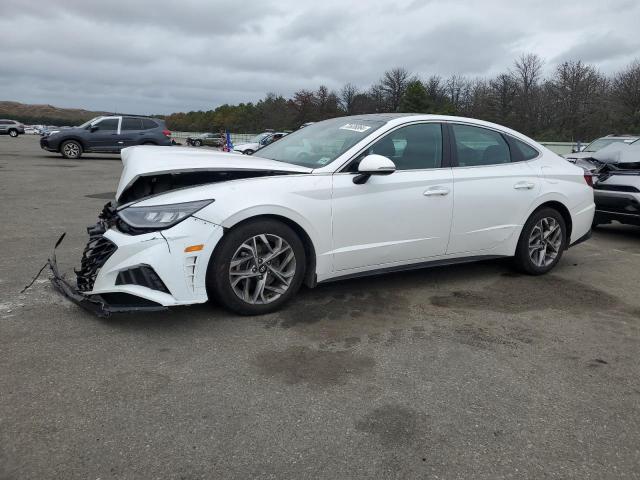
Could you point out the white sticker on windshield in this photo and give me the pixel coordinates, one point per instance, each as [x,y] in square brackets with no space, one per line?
[324,160]
[355,127]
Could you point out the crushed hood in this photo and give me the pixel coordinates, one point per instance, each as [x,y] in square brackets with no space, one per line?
[142,161]
[618,153]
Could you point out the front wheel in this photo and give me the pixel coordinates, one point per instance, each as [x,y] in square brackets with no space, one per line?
[13,133]
[197,143]
[248,152]
[257,267]
[542,241]
[71,149]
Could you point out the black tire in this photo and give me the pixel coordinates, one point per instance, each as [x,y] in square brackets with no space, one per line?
[248,152]
[149,143]
[197,143]
[13,133]
[522,259]
[71,149]
[218,274]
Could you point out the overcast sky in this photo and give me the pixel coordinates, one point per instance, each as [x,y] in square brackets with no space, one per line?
[160,56]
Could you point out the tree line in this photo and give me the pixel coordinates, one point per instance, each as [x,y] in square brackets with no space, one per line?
[575,102]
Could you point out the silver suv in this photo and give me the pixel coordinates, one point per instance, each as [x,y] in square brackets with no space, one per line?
[11,128]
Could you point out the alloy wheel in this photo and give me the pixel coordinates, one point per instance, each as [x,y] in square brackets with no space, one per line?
[262,269]
[545,241]
[13,133]
[71,150]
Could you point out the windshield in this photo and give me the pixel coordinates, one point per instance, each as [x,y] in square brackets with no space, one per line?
[601,143]
[321,143]
[88,122]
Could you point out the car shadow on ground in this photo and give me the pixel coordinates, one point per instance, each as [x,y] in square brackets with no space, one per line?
[386,291]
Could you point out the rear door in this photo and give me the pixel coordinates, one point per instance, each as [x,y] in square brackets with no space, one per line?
[131,131]
[104,135]
[494,188]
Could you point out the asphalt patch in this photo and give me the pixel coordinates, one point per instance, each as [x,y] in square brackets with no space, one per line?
[318,368]
[395,425]
[527,293]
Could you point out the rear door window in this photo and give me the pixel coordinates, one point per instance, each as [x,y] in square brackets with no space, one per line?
[131,124]
[477,146]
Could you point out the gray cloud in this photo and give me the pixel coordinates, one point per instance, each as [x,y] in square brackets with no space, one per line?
[160,56]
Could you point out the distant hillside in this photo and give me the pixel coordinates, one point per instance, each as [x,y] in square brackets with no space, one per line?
[45,114]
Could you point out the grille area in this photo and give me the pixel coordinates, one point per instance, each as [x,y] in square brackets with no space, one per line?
[143,275]
[95,254]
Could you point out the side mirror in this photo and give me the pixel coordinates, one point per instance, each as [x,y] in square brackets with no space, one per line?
[373,165]
[93,128]
[574,150]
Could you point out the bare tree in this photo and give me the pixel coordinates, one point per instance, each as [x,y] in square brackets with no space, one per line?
[526,74]
[348,95]
[626,97]
[394,84]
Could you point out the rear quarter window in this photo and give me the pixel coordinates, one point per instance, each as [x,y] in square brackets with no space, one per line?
[523,151]
[148,124]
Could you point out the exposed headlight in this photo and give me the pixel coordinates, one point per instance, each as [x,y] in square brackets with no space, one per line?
[160,216]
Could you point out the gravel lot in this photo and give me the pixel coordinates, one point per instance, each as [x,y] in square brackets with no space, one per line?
[460,372]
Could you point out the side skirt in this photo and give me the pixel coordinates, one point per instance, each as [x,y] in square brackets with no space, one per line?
[414,266]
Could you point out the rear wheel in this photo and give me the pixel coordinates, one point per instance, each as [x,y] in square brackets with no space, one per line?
[248,152]
[71,149]
[197,143]
[257,267]
[13,133]
[542,241]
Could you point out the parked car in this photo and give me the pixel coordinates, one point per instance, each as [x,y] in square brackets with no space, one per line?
[106,135]
[257,142]
[599,144]
[211,139]
[11,128]
[616,182]
[30,130]
[372,194]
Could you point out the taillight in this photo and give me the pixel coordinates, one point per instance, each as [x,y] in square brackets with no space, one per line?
[166,133]
[588,177]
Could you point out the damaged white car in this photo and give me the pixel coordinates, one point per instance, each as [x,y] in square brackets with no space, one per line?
[340,198]
[616,173]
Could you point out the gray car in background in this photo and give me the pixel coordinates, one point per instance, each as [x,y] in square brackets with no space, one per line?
[11,128]
[106,135]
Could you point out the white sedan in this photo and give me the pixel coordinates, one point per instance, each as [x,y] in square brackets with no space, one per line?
[340,198]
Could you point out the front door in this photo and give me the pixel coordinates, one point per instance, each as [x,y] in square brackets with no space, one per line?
[400,218]
[104,135]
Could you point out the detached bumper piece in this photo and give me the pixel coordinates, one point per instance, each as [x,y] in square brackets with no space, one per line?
[96,254]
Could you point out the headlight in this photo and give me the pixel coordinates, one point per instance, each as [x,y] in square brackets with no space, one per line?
[161,216]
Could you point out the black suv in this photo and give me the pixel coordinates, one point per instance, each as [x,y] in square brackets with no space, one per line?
[106,135]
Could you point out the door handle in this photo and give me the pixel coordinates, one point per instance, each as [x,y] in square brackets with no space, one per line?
[436,191]
[524,185]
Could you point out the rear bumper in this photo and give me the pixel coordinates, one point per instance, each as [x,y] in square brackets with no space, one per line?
[623,207]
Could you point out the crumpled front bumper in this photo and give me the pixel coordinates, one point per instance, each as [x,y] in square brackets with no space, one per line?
[92,303]
[178,272]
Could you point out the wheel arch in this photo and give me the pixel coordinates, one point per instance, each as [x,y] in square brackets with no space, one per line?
[75,139]
[309,247]
[562,210]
